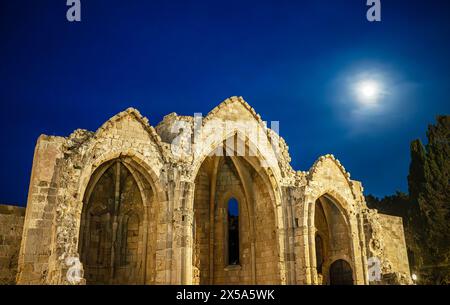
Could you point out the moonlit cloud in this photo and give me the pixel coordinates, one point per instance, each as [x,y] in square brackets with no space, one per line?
[368,98]
[368,91]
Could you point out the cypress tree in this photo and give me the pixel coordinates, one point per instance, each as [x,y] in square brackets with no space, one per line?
[426,210]
[434,196]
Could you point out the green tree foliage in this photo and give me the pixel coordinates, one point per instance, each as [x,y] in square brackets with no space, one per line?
[416,176]
[434,191]
[426,209]
[393,205]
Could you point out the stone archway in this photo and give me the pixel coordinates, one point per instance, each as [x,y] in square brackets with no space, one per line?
[219,179]
[332,238]
[118,229]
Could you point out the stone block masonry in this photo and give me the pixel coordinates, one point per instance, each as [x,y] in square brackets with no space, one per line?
[11,225]
[124,205]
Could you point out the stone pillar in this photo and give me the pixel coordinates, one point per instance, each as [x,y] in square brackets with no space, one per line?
[302,267]
[187,247]
[42,197]
[282,240]
[357,253]
[312,254]
[312,242]
[289,217]
[183,220]
[166,230]
[362,245]
[301,243]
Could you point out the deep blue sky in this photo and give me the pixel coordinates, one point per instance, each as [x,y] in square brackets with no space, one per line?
[292,61]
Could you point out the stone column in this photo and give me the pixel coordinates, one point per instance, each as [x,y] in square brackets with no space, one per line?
[301,240]
[312,243]
[164,243]
[357,253]
[362,245]
[302,268]
[289,217]
[183,220]
[42,197]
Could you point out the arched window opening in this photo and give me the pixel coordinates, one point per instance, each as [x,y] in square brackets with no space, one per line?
[233,232]
[111,235]
[319,253]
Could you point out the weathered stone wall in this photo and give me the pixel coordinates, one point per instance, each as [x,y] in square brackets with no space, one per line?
[386,247]
[394,243]
[11,225]
[41,206]
[181,238]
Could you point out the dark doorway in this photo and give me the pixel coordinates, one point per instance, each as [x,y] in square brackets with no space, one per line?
[341,273]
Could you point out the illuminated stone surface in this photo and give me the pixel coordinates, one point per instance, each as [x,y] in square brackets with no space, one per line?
[134,211]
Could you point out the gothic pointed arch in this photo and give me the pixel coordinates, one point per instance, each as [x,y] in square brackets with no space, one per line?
[330,199]
[119,224]
[220,178]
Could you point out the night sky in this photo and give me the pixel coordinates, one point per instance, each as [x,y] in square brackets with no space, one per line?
[296,62]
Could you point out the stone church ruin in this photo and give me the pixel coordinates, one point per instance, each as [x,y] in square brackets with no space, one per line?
[123,206]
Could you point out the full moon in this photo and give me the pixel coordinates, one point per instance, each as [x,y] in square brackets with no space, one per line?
[368,91]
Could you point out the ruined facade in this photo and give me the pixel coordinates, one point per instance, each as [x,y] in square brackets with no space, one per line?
[198,202]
